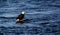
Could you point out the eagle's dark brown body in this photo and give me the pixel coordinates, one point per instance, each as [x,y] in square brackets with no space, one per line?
[20,17]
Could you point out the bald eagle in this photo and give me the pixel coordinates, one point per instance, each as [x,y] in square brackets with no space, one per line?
[19,19]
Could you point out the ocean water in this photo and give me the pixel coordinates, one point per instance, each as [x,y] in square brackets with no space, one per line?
[44,15]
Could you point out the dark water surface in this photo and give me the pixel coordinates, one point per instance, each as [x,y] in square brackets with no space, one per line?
[44,15]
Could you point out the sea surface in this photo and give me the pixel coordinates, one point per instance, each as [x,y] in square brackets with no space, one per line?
[43,15]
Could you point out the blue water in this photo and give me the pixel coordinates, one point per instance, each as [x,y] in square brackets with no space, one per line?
[44,15]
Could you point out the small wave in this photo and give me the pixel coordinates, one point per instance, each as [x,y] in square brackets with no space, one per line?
[54,5]
[48,21]
[8,15]
[9,8]
[48,12]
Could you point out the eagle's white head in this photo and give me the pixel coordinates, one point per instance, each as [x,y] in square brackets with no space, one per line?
[23,12]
